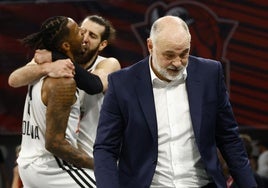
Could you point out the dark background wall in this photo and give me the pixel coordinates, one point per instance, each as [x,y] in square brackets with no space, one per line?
[233,32]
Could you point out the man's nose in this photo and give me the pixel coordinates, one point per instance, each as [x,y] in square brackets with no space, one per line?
[85,38]
[83,30]
[177,62]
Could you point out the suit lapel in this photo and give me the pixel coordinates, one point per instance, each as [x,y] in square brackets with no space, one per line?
[146,98]
[194,90]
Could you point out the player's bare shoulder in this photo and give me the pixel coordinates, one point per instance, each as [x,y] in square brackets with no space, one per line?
[109,65]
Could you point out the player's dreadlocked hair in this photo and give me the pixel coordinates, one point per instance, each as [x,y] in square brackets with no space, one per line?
[52,32]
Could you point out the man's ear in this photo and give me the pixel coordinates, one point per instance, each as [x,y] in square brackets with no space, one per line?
[65,46]
[149,45]
[103,44]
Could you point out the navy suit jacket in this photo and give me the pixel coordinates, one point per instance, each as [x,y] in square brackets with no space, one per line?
[126,146]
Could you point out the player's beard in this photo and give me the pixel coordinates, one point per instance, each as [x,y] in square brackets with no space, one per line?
[84,58]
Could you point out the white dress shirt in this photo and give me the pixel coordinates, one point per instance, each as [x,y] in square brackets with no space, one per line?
[179,163]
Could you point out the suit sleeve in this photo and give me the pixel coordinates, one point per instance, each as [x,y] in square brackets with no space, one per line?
[228,140]
[108,139]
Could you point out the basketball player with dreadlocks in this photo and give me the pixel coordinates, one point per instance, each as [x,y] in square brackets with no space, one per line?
[49,156]
[99,33]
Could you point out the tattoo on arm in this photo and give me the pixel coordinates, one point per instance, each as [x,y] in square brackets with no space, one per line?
[60,95]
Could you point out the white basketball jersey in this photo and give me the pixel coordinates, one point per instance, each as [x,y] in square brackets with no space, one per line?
[34,127]
[90,109]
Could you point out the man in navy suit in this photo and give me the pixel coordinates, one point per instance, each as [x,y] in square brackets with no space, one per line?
[164,117]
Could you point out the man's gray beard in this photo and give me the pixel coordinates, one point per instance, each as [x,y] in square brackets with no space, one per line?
[163,72]
[170,77]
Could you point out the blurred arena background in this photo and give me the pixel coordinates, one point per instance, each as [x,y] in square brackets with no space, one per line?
[233,32]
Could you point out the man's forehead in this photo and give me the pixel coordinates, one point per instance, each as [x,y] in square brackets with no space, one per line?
[93,27]
[71,23]
[89,23]
[70,19]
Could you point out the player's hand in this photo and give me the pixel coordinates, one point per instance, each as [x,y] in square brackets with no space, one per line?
[42,56]
[61,68]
